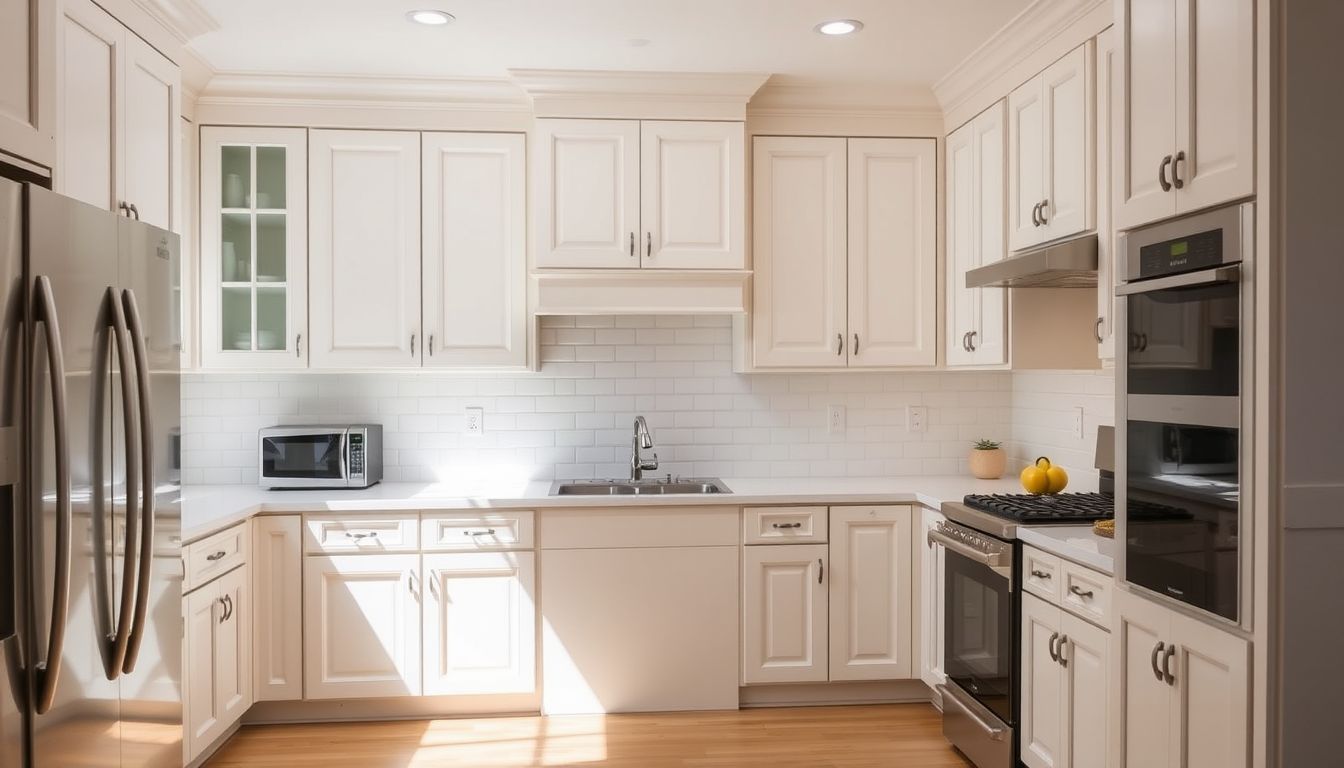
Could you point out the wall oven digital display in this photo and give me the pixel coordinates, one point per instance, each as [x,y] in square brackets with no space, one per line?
[1184,254]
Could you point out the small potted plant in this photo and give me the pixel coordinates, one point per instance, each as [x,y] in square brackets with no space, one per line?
[987,459]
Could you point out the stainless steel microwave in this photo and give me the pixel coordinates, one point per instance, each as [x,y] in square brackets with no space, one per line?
[327,456]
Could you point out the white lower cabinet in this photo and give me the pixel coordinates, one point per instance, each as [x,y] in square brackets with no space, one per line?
[1184,689]
[277,620]
[784,615]
[1065,669]
[480,623]
[361,617]
[218,669]
[932,590]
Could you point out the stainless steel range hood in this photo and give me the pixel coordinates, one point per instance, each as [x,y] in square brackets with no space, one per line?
[1066,264]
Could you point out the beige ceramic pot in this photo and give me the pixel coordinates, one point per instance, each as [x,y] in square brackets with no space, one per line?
[988,465]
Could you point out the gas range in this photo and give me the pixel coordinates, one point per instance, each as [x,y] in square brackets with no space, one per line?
[1001,514]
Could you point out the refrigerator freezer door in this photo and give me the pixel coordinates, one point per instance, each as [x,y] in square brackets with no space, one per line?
[14,719]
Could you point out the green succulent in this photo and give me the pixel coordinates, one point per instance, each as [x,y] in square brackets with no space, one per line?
[987,445]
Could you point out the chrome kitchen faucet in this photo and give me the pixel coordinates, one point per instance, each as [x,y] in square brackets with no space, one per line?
[642,439]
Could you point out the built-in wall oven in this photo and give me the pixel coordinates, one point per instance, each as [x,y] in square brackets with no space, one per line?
[1178,490]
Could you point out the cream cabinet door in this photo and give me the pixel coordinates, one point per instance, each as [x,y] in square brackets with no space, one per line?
[90,75]
[784,635]
[1142,698]
[474,241]
[203,610]
[1027,120]
[364,251]
[1043,687]
[1086,651]
[1215,102]
[233,648]
[977,317]
[277,618]
[587,193]
[480,623]
[870,593]
[799,236]
[151,144]
[692,195]
[1145,117]
[892,253]
[1211,694]
[28,80]
[1069,195]
[931,596]
[1108,259]
[361,626]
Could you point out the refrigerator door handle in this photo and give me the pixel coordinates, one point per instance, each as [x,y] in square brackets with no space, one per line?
[49,672]
[146,468]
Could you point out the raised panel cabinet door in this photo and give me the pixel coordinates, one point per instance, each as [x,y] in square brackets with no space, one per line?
[932,591]
[1069,195]
[963,306]
[28,80]
[1215,102]
[1141,698]
[152,116]
[1086,715]
[202,609]
[480,623]
[277,599]
[1042,686]
[587,193]
[364,263]
[1145,115]
[871,588]
[692,195]
[89,73]
[474,245]
[893,252]
[989,339]
[784,607]
[233,648]
[1026,163]
[1212,696]
[361,626]
[799,231]
[1108,259]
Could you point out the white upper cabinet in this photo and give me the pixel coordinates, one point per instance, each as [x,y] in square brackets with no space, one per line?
[28,80]
[118,143]
[364,265]
[975,216]
[474,243]
[1051,161]
[1185,122]
[692,195]
[630,193]
[587,187]
[784,624]
[799,251]
[893,281]
[254,248]
[1108,258]
[870,590]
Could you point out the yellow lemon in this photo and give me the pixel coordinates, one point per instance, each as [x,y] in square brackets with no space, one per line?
[1035,480]
[1056,479]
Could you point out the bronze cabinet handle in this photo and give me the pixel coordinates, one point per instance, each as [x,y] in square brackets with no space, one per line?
[839,343]
[1053,655]
[1152,660]
[856,345]
[1042,208]
[1075,589]
[1162,174]
[1175,171]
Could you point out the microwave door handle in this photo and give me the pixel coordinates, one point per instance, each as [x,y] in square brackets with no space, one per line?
[1226,274]
[345,447]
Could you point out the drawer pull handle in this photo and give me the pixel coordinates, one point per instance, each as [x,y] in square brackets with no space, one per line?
[788,525]
[213,556]
[1040,574]
[356,535]
[486,532]
[1075,589]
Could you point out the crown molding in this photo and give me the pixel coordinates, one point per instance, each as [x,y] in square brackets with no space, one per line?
[184,19]
[592,93]
[468,94]
[1036,25]
[784,96]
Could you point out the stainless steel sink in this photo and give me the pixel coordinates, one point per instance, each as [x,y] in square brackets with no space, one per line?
[669,486]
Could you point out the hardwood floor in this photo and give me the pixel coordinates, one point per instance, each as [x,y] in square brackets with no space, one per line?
[893,736]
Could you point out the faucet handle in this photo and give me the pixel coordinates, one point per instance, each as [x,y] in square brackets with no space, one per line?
[649,464]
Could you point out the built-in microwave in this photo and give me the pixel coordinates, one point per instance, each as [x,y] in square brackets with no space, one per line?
[1180,380]
[337,456]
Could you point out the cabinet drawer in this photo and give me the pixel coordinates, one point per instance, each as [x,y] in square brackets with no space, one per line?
[474,531]
[1086,593]
[215,555]
[367,533]
[1041,574]
[784,525]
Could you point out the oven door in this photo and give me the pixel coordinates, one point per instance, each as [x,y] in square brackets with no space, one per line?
[978,637]
[303,459]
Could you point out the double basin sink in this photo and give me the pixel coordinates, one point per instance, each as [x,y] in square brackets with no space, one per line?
[657,487]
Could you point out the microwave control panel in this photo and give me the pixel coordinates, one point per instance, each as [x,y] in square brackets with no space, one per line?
[356,455]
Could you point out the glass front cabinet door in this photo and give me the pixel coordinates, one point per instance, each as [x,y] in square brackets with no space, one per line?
[254,249]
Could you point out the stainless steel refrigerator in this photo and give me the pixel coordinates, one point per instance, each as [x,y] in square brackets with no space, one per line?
[90,523]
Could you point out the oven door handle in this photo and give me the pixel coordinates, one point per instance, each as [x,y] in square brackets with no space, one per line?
[1000,563]
[1230,273]
[969,708]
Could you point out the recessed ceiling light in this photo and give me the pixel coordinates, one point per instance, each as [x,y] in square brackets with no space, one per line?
[430,18]
[839,27]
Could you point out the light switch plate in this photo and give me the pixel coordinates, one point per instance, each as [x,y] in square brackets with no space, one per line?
[473,422]
[835,419]
[917,418]
[1078,422]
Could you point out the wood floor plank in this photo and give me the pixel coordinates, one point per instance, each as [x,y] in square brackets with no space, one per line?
[897,735]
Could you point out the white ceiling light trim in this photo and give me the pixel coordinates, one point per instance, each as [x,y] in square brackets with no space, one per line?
[838,27]
[430,17]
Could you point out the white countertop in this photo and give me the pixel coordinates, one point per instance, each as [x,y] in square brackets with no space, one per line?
[207,509]
[1073,542]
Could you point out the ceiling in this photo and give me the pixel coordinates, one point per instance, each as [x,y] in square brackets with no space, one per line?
[904,42]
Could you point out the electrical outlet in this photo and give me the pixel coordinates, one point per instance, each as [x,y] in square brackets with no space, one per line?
[473,422]
[917,418]
[835,419]
[1077,425]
